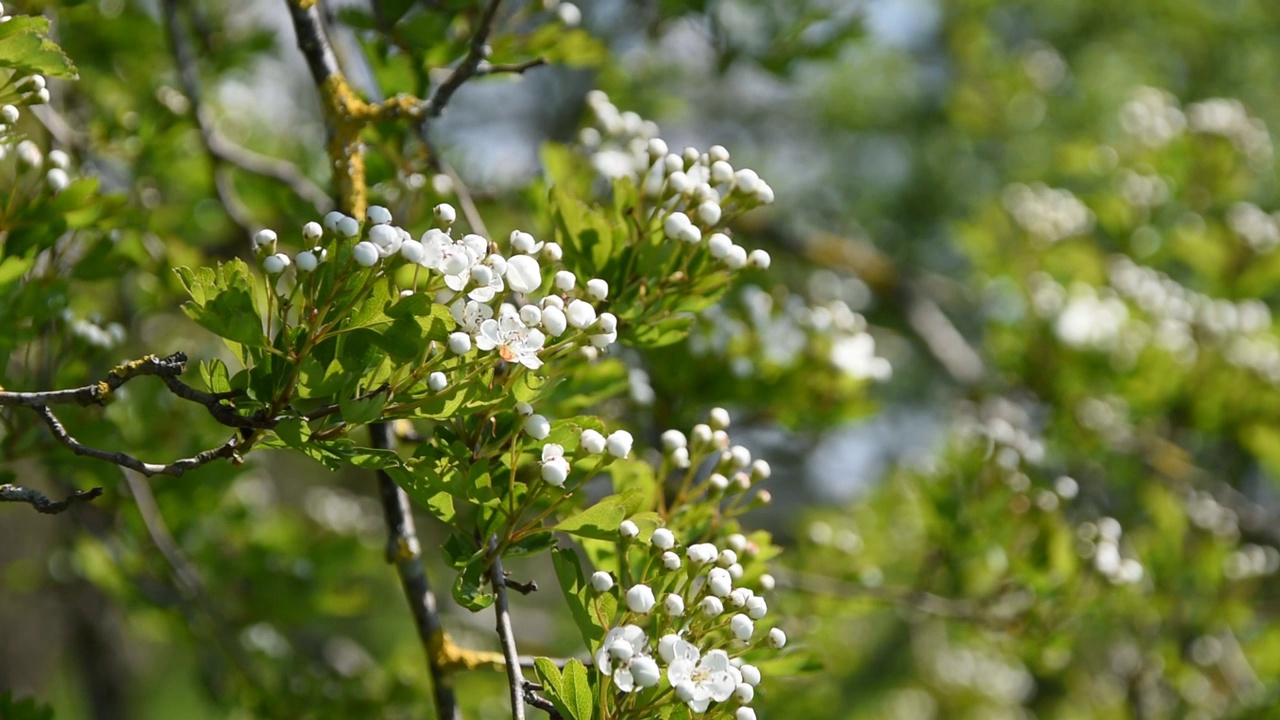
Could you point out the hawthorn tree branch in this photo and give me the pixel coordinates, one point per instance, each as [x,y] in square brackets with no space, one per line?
[96,393]
[502,616]
[468,67]
[519,68]
[43,503]
[177,468]
[405,553]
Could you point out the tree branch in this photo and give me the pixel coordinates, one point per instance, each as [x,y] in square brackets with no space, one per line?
[96,393]
[176,468]
[405,553]
[43,503]
[502,614]
[487,68]
[468,67]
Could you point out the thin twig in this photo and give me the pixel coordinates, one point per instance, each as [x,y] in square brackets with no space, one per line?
[532,697]
[405,553]
[502,616]
[519,68]
[476,51]
[524,588]
[176,468]
[43,503]
[96,393]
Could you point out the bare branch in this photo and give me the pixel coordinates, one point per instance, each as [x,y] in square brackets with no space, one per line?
[487,68]
[176,468]
[502,613]
[405,553]
[171,366]
[43,503]
[469,65]
[524,588]
[532,697]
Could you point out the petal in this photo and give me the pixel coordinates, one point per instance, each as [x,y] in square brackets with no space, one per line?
[720,685]
[623,680]
[699,704]
[533,362]
[482,294]
[716,661]
[455,282]
[602,659]
[679,670]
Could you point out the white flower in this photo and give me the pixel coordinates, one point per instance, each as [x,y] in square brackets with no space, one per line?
[580,314]
[554,321]
[565,280]
[523,273]
[628,530]
[674,604]
[537,426]
[719,582]
[701,553]
[777,638]
[437,381]
[460,343]
[470,314]
[365,254]
[619,443]
[514,341]
[663,539]
[445,214]
[601,581]
[275,264]
[718,418]
[621,647]
[699,680]
[742,627]
[312,231]
[591,442]
[757,607]
[378,215]
[711,606]
[673,439]
[750,674]
[597,289]
[640,599]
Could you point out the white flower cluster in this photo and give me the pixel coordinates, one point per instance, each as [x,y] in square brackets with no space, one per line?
[706,621]
[1005,681]
[556,465]
[1100,542]
[1004,426]
[1261,230]
[1251,561]
[1153,116]
[1141,189]
[782,334]
[1228,118]
[491,295]
[694,192]
[1091,318]
[1048,214]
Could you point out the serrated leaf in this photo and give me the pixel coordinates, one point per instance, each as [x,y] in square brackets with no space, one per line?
[601,520]
[576,691]
[361,411]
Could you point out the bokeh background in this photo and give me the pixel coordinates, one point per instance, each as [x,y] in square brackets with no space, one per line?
[1014,367]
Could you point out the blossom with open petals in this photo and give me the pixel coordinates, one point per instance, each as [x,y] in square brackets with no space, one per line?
[698,679]
[515,341]
[622,647]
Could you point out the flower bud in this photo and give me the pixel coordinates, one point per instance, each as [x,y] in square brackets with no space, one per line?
[663,539]
[619,443]
[445,214]
[718,482]
[674,605]
[275,264]
[580,314]
[554,320]
[565,280]
[718,245]
[628,530]
[727,557]
[721,172]
[739,597]
[739,456]
[744,713]
[597,289]
[640,599]
[711,606]
[718,418]
[680,458]
[412,251]
[644,670]
[736,259]
[701,553]
[378,215]
[601,581]
[531,315]
[523,273]
[305,261]
[366,254]
[57,178]
[459,342]
[524,408]
[264,243]
[672,163]
[709,213]
[670,560]
[537,426]
[719,582]
[523,242]
[701,435]
[552,251]
[555,471]
[757,607]
[591,442]
[745,694]
[777,638]
[608,323]
[348,227]
[437,381]
[9,114]
[760,470]
[742,627]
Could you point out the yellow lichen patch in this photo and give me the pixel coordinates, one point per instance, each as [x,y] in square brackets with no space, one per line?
[104,389]
[131,368]
[451,658]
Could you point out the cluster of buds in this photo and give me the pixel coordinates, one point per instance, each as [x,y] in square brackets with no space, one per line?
[693,193]
[491,291]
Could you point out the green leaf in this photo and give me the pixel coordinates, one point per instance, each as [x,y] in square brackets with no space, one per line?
[569,573]
[24,48]
[576,691]
[361,411]
[601,520]
[469,589]
[552,682]
[25,709]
